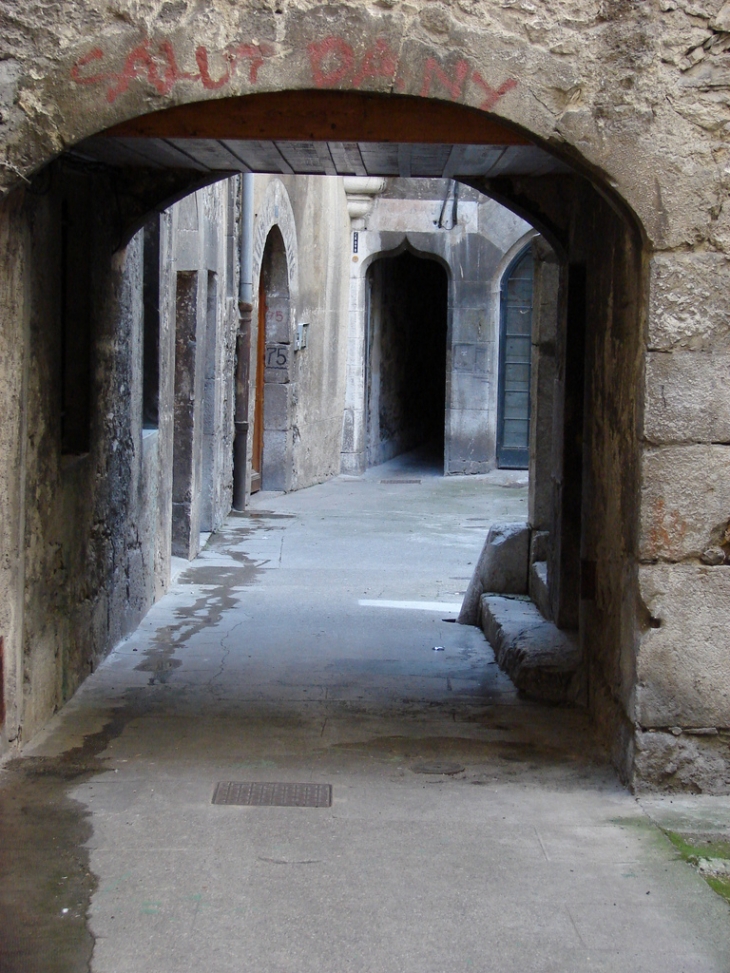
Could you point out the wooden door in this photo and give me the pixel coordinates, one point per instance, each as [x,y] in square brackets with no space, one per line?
[258,415]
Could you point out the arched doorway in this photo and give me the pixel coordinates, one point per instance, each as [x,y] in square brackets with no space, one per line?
[515,349]
[273,370]
[406,365]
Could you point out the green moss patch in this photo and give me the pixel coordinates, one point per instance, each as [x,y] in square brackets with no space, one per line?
[719,885]
[694,847]
[697,849]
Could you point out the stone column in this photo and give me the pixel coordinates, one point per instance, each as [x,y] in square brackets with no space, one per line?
[189,374]
[361,193]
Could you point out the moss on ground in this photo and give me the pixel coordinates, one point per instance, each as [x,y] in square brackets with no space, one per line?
[693,847]
[696,849]
[719,885]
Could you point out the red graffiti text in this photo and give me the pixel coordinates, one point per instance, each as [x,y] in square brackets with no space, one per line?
[158,65]
[333,63]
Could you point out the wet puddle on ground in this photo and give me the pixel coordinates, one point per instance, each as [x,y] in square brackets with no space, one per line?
[47,885]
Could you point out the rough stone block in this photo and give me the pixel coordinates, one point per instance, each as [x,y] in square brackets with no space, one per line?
[277,324]
[688,301]
[685,500]
[348,430]
[683,660]
[277,459]
[184,542]
[211,236]
[539,591]
[462,358]
[683,762]
[483,359]
[539,545]
[278,364]
[505,570]
[471,293]
[686,397]
[187,250]
[277,406]
[472,325]
[502,567]
[469,392]
[470,436]
[540,659]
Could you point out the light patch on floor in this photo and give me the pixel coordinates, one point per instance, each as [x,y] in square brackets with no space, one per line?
[424,606]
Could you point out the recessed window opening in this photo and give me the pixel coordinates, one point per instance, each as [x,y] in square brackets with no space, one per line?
[515,351]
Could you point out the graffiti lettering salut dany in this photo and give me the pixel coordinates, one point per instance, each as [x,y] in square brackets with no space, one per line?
[332,60]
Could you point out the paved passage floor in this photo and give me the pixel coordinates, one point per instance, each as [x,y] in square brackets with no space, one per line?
[470,830]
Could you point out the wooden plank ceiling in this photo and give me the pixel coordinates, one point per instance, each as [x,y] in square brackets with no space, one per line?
[320,158]
[323,133]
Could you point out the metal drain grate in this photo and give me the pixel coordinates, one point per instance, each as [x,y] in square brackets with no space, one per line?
[400,480]
[264,794]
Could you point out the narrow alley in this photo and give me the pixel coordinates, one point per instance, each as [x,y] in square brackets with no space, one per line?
[364,504]
[312,641]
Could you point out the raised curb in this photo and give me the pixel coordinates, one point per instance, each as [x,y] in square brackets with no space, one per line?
[543,661]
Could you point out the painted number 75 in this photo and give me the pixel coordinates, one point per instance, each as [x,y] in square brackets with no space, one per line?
[277,356]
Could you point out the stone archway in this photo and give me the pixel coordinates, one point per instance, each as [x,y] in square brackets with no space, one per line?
[642,133]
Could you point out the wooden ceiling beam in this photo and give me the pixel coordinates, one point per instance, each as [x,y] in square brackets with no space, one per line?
[324,116]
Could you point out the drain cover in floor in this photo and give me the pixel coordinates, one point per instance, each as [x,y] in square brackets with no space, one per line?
[263,794]
[400,480]
[437,767]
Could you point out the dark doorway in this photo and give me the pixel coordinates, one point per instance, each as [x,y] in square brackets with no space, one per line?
[515,350]
[406,385]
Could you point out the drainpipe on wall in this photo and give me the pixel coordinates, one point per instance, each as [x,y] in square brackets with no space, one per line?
[243,345]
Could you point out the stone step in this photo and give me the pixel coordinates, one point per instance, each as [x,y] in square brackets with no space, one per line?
[539,587]
[543,661]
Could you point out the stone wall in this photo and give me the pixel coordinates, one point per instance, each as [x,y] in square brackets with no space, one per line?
[206,322]
[87,507]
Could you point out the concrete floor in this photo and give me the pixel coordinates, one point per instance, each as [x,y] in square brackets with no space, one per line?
[282,654]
